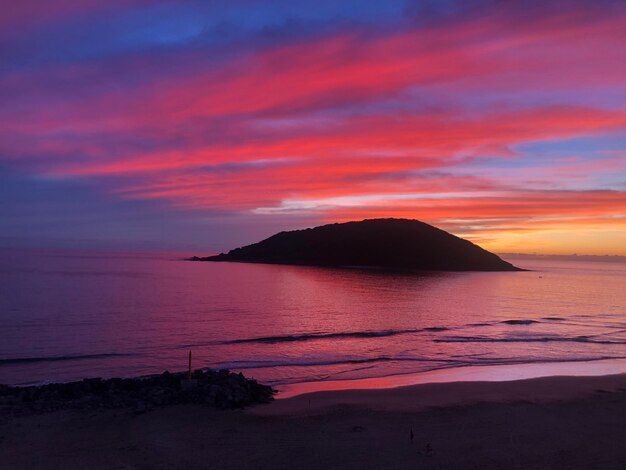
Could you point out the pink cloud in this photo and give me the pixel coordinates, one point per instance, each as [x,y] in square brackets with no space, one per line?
[363,113]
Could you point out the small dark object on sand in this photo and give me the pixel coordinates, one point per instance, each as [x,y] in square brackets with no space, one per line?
[428,451]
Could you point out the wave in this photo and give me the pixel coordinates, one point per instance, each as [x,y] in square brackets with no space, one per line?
[542,339]
[374,334]
[443,363]
[317,336]
[264,364]
[519,322]
[26,360]
[428,365]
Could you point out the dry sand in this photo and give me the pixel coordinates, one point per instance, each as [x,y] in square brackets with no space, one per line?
[556,422]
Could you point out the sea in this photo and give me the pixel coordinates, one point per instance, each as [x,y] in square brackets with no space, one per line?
[67,315]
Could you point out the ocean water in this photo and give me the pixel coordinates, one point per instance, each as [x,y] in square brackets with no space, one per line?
[65,316]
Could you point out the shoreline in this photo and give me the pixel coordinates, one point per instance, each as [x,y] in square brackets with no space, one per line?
[473,373]
[424,396]
[462,373]
[550,422]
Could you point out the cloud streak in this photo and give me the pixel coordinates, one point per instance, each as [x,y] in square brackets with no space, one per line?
[428,114]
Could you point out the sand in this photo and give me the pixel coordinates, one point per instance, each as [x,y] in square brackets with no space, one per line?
[555,422]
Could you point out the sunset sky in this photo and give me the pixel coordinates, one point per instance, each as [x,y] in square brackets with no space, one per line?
[203,125]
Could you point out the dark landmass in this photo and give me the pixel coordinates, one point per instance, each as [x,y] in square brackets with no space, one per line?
[381,243]
[217,389]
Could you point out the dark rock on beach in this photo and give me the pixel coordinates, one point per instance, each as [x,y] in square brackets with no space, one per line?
[376,243]
[219,389]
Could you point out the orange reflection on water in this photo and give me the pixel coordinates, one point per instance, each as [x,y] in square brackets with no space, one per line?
[461,374]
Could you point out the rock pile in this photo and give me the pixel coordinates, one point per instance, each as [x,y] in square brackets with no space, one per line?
[219,389]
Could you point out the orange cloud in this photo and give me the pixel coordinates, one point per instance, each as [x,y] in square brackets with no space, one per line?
[353,124]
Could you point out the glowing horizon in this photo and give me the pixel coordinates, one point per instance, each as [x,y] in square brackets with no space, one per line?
[187,124]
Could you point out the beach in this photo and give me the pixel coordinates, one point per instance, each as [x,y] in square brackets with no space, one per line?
[550,422]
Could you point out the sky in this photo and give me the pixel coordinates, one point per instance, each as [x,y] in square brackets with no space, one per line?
[203,125]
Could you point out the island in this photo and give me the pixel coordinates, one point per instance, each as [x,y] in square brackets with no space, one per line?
[403,244]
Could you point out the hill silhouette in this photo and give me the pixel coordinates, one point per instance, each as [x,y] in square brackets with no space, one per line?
[381,243]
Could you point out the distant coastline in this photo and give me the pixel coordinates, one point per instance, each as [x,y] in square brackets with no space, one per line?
[572,257]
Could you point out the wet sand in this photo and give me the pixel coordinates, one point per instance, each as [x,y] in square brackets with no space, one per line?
[554,422]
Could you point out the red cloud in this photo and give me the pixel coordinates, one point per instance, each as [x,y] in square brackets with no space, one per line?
[349,115]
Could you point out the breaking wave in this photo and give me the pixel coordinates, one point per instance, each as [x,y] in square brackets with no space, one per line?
[26,360]
[542,339]
[317,336]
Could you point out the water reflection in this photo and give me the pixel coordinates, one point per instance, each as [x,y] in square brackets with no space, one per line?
[104,316]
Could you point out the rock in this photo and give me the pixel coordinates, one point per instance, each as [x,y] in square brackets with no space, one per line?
[140,407]
[220,389]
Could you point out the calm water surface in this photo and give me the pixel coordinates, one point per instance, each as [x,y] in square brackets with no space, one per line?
[66,316]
